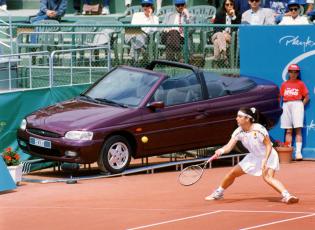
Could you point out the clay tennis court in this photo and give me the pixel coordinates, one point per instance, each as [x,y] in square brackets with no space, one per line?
[158,201]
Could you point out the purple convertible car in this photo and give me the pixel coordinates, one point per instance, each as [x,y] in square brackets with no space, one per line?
[135,112]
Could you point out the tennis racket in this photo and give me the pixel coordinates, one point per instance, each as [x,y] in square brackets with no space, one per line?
[191,174]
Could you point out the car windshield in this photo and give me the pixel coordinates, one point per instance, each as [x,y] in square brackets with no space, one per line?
[123,87]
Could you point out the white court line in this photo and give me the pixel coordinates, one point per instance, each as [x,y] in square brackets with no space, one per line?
[277,222]
[246,211]
[175,220]
[258,211]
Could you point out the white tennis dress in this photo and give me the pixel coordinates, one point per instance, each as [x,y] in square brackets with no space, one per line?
[253,141]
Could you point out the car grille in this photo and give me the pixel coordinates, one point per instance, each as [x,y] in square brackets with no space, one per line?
[43,151]
[44,133]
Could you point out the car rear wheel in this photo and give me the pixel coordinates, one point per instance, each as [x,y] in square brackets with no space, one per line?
[116,155]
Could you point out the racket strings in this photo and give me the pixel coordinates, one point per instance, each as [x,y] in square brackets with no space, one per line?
[190,175]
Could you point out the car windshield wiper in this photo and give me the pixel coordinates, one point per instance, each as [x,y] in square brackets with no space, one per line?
[111,102]
[87,97]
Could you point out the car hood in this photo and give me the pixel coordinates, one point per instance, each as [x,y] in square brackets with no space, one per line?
[76,115]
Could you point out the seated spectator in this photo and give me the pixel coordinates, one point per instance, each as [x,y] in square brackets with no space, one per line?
[173,37]
[105,4]
[294,18]
[309,5]
[50,9]
[257,15]
[139,41]
[77,6]
[281,7]
[222,36]
[3,5]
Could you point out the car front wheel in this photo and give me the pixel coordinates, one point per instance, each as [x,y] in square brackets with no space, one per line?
[115,155]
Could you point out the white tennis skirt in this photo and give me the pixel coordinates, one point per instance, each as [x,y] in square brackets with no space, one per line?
[252,163]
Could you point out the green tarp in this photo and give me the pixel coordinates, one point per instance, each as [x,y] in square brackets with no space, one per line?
[16,105]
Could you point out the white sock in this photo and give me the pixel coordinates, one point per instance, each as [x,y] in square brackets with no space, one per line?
[285,193]
[298,147]
[220,189]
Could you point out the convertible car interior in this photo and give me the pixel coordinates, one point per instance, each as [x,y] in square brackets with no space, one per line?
[185,89]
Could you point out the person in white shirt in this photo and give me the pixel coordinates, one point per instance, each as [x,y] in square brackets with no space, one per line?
[257,15]
[262,159]
[139,41]
[294,18]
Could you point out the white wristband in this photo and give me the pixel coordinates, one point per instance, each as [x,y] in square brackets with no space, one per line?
[221,150]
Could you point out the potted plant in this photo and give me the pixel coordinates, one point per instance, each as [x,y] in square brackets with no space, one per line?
[12,160]
[284,150]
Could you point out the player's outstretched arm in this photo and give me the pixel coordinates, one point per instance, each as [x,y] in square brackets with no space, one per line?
[226,148]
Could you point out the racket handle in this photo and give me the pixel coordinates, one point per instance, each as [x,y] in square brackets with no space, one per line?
[214,157]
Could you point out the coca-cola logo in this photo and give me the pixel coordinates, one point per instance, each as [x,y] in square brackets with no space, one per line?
[291,92]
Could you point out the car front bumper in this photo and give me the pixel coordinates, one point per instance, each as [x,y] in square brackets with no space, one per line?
[86,151]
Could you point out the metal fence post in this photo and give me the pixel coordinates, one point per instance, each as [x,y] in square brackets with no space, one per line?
[51,70]
[186,43]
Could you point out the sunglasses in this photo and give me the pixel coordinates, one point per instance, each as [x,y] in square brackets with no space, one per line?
[254,0]
[229,4]
[146,5]
[294,9]
[293,71]
[179,5]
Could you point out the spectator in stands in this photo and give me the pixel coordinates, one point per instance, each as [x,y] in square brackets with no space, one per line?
[173,37]
[308,4]
[222,36]
[281,7]
[294,18]
[50,9]
[295,96]
[3,5]
[77,6]
[257,15]
[139,41]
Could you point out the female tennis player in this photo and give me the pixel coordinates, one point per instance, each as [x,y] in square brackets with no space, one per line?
[262,158]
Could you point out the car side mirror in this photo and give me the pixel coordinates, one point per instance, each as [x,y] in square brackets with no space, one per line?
[156,105]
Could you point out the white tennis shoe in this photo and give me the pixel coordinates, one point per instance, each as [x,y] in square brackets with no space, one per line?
[290,199]
[216,195]
[298,156]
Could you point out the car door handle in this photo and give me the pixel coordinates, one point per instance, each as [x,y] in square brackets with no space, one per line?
[203,111]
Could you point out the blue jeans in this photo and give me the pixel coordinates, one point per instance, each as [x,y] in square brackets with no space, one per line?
[38,18]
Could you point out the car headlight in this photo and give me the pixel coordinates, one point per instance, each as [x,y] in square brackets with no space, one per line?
[23,124]
[79,135]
